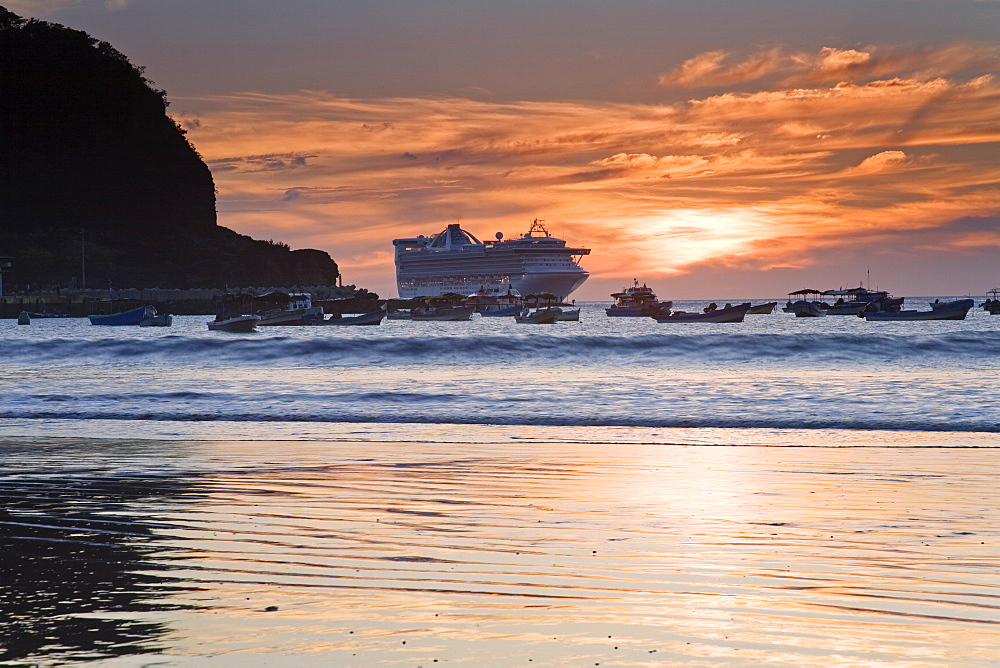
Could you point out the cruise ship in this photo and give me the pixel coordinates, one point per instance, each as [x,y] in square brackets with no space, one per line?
[455,261]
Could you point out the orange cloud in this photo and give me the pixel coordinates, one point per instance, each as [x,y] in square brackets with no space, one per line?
[881,162]
[763,180]
[707,69]
[830,65]
[840,64]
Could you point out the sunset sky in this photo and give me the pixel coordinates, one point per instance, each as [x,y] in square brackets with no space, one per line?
[710,148]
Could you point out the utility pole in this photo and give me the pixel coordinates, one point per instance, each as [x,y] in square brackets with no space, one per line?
[83,258]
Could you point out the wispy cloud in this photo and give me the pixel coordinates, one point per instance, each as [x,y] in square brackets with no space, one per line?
[764,179]
[30,8]
[710,69]
[260,163]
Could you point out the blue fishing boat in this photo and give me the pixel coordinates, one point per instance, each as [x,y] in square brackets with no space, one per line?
[131,317]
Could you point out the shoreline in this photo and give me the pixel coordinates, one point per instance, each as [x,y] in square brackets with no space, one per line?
[154,431]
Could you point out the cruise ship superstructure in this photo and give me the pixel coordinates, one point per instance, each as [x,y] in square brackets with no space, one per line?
[456,261]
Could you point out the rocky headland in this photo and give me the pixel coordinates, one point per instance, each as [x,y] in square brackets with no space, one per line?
[93,168]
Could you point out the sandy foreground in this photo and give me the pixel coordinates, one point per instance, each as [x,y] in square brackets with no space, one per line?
[135,552]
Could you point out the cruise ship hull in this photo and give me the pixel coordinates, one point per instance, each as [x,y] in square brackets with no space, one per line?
[559,284]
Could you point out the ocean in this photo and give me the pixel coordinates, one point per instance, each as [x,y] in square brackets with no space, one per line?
[612,491]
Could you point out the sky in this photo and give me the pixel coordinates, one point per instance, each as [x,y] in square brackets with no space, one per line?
[709,148]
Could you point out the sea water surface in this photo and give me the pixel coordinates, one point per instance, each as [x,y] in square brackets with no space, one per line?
[66,377]
[613,492]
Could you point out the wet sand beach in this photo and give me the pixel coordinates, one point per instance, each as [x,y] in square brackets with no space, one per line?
[847,550]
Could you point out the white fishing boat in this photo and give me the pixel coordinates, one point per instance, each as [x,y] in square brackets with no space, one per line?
[237,323]
[636,301]
[568,312]
[157,320]
[297,309]
[950,310]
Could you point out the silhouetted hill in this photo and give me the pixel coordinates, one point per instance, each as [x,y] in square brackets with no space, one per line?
[91,162]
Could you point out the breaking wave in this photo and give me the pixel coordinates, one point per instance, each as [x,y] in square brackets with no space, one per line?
[475,349]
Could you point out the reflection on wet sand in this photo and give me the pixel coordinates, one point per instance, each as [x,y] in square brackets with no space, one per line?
[567,554]
[79,559]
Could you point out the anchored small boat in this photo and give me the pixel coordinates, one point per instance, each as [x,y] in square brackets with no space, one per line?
[858,300]
[496,303]
[726,314]
[233,314]
[443,313]
[297,309]
[762,309]
[132,316]
[449,307]
[568,311]
[239,324]
[992,303]
[950,310]
[157,320]
[636,301]
[540,316]
[363,319]
[46,314]
[806,306]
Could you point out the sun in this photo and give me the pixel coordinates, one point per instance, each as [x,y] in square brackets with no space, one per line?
[664,242]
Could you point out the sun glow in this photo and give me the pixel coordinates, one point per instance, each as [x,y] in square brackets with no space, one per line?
[662,244]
